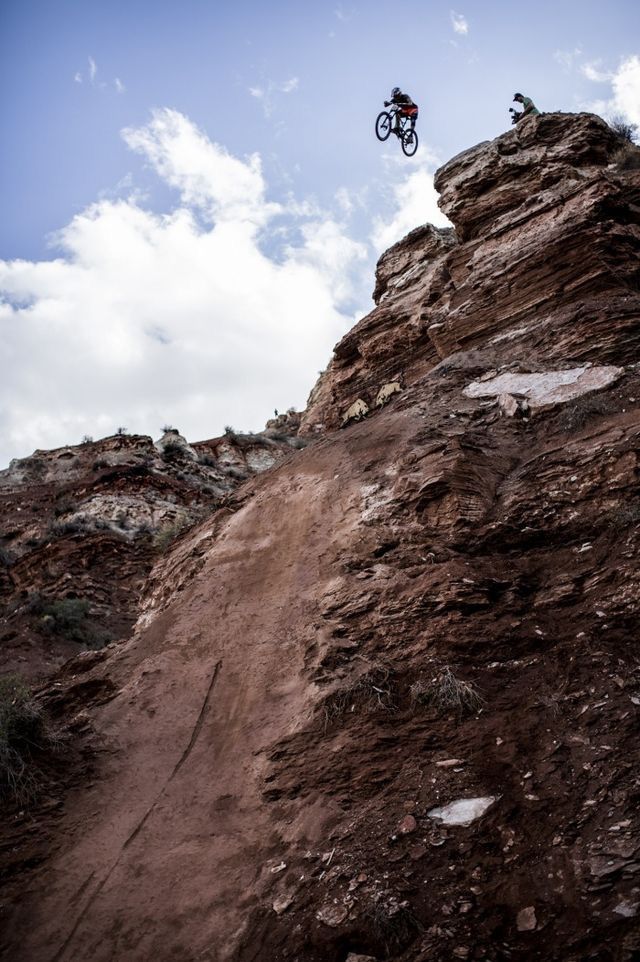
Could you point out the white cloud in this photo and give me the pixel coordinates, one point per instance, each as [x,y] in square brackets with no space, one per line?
[459,23]
[593,72]
[93,69]
[567,58]
[209,178]
[145,317]
[269,93]
[120,87]
[77,77]
[415,201]
[625,90]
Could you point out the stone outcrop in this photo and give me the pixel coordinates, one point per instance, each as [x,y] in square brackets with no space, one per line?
[85,524]
[547,254]
[383,703]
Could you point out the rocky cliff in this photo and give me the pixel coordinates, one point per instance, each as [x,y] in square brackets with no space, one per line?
[384,703]
[82,526]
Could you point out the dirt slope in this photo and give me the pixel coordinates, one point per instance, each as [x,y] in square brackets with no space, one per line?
[256,769]
[82,526]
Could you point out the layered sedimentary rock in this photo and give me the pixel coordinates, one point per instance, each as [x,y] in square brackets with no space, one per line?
[547,253]
[384,703]
[82,526]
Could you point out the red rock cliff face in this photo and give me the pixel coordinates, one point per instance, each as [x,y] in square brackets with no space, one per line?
[547,254]
[385,703]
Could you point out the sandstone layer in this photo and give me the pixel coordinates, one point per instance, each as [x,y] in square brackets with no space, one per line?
[82,526]
[384,702]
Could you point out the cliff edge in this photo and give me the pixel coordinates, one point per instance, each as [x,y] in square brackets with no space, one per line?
[384,703]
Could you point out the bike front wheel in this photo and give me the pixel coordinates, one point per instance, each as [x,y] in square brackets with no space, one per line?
[409,143]
[383,125]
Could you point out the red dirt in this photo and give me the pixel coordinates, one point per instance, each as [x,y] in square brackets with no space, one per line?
[256,747]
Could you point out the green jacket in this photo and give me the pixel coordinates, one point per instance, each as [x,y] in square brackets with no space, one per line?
[530,108]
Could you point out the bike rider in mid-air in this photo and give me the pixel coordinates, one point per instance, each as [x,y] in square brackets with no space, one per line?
[406,105]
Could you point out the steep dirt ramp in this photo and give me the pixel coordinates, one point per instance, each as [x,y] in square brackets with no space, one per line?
[165,855]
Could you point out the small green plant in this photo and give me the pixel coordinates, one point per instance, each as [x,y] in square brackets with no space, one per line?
[24,732]
[68,618]
[121,431]
[87,439]
[229,431]
[446,692]
[170,532]
[172,451]
[233,472]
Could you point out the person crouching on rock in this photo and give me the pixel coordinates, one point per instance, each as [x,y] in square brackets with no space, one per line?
[530,109]
[406,105]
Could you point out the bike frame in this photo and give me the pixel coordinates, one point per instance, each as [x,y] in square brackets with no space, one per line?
[401,119]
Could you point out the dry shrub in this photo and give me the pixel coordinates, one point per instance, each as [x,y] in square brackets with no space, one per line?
[24,732]
[624,516]
[392,924]
[445,691]
[576,415]
[623,128]
[372,690]
[627,157]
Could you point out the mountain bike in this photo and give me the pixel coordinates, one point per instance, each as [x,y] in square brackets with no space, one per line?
[393,121]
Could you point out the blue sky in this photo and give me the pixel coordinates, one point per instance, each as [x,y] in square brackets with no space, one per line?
[277,99]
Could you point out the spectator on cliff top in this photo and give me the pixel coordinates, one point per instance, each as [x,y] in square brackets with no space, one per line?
[530,109]
[406,105]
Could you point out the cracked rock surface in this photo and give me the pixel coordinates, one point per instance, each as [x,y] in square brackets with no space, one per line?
[438,603]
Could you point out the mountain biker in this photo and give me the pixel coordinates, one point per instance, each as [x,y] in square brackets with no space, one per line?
[406,105]
[530,109]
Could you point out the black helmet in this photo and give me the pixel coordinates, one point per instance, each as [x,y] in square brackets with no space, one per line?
[517,96]
[395,91]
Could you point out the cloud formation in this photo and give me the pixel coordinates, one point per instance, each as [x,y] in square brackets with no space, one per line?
[567,58]
[147,318]
[459,23]
[625,89]
[268,93]
[92,75]
[415,193]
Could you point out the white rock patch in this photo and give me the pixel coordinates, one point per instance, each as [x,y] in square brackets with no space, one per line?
[543,389]
[463,811]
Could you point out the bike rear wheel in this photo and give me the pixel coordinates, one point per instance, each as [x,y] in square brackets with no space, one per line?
[383,125]
[409,142]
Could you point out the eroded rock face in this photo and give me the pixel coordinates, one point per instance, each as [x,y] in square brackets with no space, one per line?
[431,611]
[409,256]
[545,270]
[84,524]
